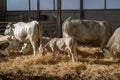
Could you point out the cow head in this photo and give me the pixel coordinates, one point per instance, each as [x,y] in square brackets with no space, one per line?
[109,52]
[9,29]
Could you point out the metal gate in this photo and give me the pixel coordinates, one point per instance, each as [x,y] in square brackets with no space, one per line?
[49,27]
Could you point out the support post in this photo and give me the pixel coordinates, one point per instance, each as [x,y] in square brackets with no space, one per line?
[29,1]
[53,5]
[105,4]
[59,19]
[38,10]
[81,10]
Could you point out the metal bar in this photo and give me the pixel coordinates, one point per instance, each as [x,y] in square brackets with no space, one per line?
[29,5]
[53,5]
[38,8]
[59,28]
[81,10]
[6,10]
[105,4]
[29,2]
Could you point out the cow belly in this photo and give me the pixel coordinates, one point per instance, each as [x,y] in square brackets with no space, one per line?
[21,37]
[88,37]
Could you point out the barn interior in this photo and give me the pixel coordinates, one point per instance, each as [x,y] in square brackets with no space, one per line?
[58,11]
[51,13]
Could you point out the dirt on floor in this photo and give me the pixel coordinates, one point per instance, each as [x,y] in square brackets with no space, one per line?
[91,65]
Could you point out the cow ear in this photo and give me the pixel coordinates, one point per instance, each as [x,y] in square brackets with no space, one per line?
[11,24]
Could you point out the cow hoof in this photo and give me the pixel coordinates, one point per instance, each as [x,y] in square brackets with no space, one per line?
[68,56]
[21,52]
[73,61]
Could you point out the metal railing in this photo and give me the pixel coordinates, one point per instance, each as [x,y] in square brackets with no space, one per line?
[49,27]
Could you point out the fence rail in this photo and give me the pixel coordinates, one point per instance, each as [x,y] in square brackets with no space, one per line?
[49,27]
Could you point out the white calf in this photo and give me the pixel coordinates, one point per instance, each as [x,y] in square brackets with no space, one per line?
[68,44]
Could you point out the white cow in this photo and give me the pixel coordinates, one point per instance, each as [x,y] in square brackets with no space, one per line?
[68,44]
[87,30]
[113,46]
[7,43]
[30,32]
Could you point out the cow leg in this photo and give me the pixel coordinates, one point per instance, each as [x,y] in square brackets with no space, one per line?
[53,54]
[40,43]
[26,48]
[68,54]
[34,46]
[41,49]
[53,51]
[71,52]
[103,45]
[104,42]
[74,51]
[23,48]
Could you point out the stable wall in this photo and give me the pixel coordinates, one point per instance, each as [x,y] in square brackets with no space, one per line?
[112,16]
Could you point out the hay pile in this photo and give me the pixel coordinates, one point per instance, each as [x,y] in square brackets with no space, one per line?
[89,67]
